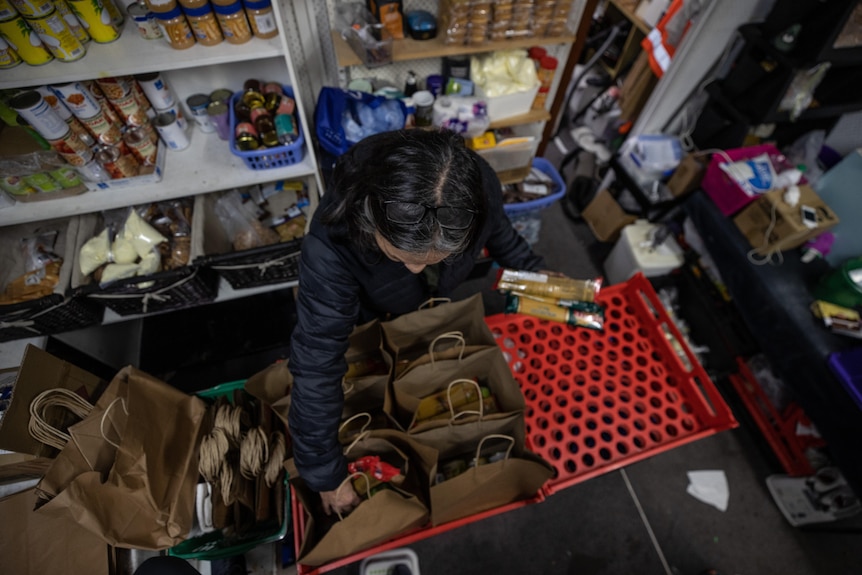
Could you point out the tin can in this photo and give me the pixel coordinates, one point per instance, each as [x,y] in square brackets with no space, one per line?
[72,149]
[138,141]
[78,98]
[130,110]
[104,105]
[32,8]
[145,21]
[96,18]
[177,110]
[59,107]
[170,131]
[157,90]
[39,114]
[142,100]
[77,127]
[103,129]
[147,126]
[57,36]
[197,104]
[9,58]
[16,185]
[43,183]
[115,87]
[72,21]
[221,95]
[7,11]
[24,40]
[116,163]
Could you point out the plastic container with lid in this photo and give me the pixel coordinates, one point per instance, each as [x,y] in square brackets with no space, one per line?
[193,4]
[261,18]
[176,30]
[204,24]
[234,24]
[635,252]
[161,6]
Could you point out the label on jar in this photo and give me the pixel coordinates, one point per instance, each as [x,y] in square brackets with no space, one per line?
[146,22]
[263,23]
[177,33]
[72,22]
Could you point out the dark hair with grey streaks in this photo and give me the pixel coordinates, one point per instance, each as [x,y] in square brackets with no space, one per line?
[432,168]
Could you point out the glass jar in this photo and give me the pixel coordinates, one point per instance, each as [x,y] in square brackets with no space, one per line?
[234,24]
[204,25]
[176,29]
[261,18]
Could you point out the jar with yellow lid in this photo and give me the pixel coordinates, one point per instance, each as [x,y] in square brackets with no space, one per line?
[204,25]
[176,29]
[261,18]
[234,24]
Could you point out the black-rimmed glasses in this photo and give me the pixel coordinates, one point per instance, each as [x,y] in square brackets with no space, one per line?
[409,213]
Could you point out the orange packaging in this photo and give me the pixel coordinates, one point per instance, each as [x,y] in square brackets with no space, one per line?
[389,13]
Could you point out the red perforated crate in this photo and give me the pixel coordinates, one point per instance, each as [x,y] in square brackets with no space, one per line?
[597,401]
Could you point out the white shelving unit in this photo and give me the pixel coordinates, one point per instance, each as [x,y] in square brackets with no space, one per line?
[207,165]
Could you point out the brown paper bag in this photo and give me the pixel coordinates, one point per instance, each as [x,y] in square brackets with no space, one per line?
[145,498]
[33,544]
[482,487]
[408,337]
[430,376]
[385,515]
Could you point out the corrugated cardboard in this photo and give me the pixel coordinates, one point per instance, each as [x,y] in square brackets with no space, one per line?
[39,372]
[687,176]
[605,217]
[788,231]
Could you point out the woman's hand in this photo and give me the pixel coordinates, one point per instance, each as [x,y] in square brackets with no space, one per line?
[340,501]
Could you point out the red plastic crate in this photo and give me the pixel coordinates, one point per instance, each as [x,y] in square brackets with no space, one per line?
[778,428]
[597,401]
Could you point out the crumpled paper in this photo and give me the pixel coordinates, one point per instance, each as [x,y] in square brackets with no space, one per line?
[709,486]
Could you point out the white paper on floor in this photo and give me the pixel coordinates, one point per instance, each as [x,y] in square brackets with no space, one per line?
[709,486]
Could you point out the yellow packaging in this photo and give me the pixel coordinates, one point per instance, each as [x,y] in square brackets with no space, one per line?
[96,18]
[25,41]
[545,285]
[54,32]
[8,57]
[483,142]
[542,310]
[7,11]
[116,15]
[33,8]
[72,21]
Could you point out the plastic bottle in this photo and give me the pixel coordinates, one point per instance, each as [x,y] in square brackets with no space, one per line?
[410,85]
[545,73]
[204,24]
[176,29]
[234,24]
[261,19]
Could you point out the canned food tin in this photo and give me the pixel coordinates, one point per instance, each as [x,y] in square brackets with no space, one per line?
[57,36]
[49,96]
[39,114]
[117,164]
[78,98]
[105,106]
[116,14]
[115,87]
[156,90]
[72,149]
[103,129]
[130,110]
[221,95]
[33,8]
[142,147]
[24,40]
[16,185]
[177,110]
[170,131]
[145,21]
[9,58]
[77,127]
[72,21]
[7,11]
[96,17]
[43,182]
[197,104]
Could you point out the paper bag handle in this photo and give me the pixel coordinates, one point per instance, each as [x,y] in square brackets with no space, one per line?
[105,414]
[364,414]
[480,412]
[432,301]
[456,335]
[347,387]
[346,480]
[508,438]
[359,438]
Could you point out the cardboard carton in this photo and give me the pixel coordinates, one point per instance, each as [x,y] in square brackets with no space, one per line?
[605,217]
[789,231]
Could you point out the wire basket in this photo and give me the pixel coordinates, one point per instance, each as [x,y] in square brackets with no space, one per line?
[276,263]
[47,315]
[267,158]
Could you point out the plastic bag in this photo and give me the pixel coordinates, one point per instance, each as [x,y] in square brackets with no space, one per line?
[344,117]
[240,221]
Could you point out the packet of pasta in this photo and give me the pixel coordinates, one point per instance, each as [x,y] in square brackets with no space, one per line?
[546,285]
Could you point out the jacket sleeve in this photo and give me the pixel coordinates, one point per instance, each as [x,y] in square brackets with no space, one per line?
[505,245]
[327,310]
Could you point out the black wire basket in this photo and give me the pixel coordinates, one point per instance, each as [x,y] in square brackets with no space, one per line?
[47,316]
[266,265]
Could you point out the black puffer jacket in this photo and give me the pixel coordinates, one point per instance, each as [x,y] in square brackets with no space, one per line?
[341,287]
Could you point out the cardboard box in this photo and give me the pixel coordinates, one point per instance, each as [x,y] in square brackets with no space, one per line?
[788,231]
[606,218]
[687,176]
[39,372]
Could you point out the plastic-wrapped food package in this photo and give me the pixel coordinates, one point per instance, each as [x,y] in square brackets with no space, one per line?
[504,72]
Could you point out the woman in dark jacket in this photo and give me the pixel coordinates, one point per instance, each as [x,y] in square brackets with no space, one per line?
[405,219]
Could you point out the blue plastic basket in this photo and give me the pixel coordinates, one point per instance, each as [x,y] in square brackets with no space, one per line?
[526,216]
[266,158]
